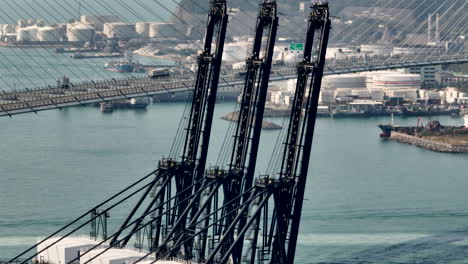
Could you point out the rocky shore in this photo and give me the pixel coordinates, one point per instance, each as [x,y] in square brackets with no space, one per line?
[430,143]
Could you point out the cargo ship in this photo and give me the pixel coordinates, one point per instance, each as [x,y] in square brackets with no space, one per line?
[433,136]
[430,111]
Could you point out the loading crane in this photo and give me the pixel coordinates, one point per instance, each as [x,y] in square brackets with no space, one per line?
[206,216]
[189,170]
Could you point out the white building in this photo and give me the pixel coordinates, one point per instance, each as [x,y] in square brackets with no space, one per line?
[430,75]
[112,256]
[65,250]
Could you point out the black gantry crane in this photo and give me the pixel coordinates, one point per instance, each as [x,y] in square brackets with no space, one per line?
[272,230]
[249,124]
[186,174]
[223,215]
[289,195]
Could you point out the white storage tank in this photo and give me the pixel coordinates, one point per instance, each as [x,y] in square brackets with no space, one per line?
[78,32]
[27,34]
[354,81]
[48,34]
[41,23]
[394,81]
[8,29]
[120,30]
[143,29]
[162,30]
[22,23]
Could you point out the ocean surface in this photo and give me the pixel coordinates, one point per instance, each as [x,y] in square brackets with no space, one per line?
[368,200]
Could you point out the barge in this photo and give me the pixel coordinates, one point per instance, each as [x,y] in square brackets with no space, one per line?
[434,136]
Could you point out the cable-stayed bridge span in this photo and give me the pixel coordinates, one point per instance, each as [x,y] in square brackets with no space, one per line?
[40,99]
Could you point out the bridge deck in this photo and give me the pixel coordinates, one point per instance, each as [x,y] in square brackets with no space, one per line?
[27,101]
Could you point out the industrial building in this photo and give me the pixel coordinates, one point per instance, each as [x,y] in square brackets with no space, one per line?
[64,250]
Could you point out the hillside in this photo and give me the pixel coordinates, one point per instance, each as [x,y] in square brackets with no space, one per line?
[362,12]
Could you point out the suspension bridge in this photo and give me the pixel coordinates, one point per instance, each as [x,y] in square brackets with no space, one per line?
[188,213]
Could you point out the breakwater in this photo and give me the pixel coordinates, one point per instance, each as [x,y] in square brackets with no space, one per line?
[428,143]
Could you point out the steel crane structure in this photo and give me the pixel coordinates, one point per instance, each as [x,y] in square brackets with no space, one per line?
[183,174]
[204,215]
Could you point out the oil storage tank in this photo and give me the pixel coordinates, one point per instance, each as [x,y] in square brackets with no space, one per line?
[394,81]
[120,30]
[353,81]
[79,32]
[22,23]
[48,34]
[162,30]
[27,34]
[8,29]
[143,29]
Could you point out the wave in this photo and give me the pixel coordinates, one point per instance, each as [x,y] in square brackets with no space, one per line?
[348,239]
[18,241]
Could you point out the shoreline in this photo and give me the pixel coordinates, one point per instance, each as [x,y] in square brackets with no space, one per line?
[429,144]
